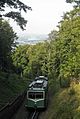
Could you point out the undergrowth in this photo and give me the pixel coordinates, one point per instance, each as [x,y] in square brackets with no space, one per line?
[64,103]
[11,85]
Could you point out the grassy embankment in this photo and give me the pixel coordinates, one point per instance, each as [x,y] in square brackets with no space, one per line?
[10,86]
[64,103]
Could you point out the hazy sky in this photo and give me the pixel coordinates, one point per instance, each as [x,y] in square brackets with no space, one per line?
[44,16]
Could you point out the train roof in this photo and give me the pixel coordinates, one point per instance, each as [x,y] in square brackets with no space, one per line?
[41,77]
[38,84]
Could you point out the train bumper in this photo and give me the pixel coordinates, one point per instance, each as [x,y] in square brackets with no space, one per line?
[35,103]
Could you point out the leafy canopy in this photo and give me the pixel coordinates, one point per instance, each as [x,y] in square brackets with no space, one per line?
[77,2]
[7,38]
[16,7]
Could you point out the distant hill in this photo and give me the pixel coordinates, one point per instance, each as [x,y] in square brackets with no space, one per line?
[32,39]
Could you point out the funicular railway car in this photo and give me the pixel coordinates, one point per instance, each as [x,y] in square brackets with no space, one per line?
[37,93]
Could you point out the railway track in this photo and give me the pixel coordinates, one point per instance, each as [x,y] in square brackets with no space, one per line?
[33,115]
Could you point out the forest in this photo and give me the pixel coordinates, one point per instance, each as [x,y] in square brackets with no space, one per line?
[58,58]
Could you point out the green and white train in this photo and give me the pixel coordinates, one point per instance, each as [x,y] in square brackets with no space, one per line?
[37,93]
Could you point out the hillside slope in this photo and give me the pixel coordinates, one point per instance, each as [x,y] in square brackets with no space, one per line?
[10,86]
[64,103]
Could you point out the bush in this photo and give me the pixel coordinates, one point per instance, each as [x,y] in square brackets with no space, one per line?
[64,82]
[72,91]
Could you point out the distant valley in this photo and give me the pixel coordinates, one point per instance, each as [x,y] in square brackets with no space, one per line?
[31,39]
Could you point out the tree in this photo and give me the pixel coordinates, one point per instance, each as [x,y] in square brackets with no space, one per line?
[53,35]
[68,45]
[32,60]
[77,2]
[65,54]
[7,37]
[20,58]
[16,6]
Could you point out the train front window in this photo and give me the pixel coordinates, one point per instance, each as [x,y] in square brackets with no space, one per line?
[31,95]
[35,95]
[39,95]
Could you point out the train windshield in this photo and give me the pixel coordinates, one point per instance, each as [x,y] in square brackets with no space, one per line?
[35,95]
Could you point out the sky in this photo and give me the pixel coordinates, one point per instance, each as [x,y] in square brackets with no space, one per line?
[44,16]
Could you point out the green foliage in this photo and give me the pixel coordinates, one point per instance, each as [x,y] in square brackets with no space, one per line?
[16,15]
[64,103]
[64,82]
[67,56]
[20,58]
[7,37]
[57,58]
[11,85]
[77,2]
[34,60]
[53,35]
[72,91]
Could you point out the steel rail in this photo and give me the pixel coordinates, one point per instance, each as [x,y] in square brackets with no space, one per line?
[35,115]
